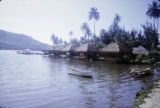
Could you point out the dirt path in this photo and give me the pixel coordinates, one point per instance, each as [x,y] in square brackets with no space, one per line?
[153,100]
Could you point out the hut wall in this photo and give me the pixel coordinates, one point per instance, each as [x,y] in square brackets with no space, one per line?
[110,56]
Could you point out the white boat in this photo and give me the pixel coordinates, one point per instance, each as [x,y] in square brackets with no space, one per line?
[28,51]
[141,72]
[80,74]
[25,51]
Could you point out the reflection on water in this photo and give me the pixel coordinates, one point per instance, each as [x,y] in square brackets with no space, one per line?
[34,81]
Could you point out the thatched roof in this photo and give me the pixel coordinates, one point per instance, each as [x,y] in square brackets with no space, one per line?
[71,47]
[114,47]
[57,48]
[111,48]
[140,50]
[88,47]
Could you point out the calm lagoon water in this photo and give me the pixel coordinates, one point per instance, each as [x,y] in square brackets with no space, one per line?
[36,81]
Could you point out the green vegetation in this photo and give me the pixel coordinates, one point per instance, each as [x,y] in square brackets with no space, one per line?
[71,34]
[142,94]
[94,14]
[158,79]
[147,37]
[154,13]
[86,30]
[56,40]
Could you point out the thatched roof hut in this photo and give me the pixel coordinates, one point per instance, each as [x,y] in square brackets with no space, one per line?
[140,50]
[88,47]
[50,50]
[70,48]
[114,47]
[57,48]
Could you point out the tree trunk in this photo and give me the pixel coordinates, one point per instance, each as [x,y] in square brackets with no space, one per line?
[154,23]
[70,37]
[157,24]
[158,28]
[94,28]
[85,35]
[154,36]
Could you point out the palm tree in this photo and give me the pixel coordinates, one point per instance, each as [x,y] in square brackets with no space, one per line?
[71,33]
[117,19]
[54,39]
[85,29]
[154,13]
[115,27]
[94,14]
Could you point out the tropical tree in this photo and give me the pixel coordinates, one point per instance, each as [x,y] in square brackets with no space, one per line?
[154,13]
[136,38]
[150,36]
[116,21]
[123,38]
[60,41]
[74,41]
[71,34]
[85,29]
[114,29]
[54,39]
[82,40]
[115,26]
[65,43]
[105,37]
[94,14]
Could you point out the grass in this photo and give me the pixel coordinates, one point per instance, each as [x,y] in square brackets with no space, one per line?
[158,79]
[142,94]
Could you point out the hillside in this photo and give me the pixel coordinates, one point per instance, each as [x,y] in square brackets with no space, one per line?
[14,41]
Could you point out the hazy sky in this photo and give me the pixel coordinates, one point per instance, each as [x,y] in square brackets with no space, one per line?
[41,18]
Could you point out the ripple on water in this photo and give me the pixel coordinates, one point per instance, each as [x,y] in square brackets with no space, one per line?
[31,81]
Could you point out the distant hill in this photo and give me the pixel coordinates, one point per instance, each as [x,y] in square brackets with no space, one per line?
[14,41]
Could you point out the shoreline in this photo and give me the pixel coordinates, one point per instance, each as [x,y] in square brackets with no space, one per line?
[149,97]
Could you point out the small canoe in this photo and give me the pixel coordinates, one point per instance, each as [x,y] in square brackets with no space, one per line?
[141,72]
[80,74]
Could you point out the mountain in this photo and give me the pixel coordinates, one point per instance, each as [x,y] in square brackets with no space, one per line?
[14,41]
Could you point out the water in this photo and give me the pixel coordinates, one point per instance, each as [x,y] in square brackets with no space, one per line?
[35,81]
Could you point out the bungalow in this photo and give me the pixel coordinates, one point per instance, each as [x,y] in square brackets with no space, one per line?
[140,51]
[57,50]
[48,51]
[113,52]
[70,50]
[141,55]
[87,50]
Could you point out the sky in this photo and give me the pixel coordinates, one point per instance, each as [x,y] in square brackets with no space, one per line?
[42,18]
